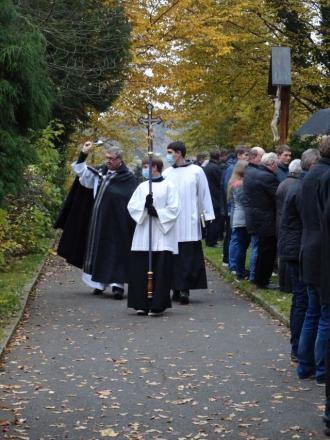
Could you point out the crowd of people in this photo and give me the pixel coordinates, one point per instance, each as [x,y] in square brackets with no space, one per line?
[276,207]
[281,210]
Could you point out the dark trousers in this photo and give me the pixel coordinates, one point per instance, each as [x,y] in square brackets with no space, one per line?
[265,260]
[226,240]
[327,380]
[213,230]
[298,306]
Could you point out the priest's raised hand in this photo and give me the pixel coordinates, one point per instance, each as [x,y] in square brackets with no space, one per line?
[87,147]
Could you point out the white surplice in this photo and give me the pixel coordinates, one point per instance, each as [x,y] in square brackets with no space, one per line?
[195,200]
[164,230]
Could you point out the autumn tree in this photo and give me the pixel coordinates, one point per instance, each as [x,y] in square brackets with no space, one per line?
[207,64]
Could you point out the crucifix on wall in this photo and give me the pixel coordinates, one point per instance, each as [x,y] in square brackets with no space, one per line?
[279,86]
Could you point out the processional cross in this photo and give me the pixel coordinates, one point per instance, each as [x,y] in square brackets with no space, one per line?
[149,122]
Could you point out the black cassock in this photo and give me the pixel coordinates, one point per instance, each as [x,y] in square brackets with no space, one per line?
[106,242]
[74,219]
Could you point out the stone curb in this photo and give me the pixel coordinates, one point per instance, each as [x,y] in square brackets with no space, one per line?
[255,298]
[10,329]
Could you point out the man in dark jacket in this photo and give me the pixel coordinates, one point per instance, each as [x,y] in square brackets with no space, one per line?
[282,191]
[259,189]
[289,240]
[284,158]
[316,327]
[255,155]
[214,177]
[324,209]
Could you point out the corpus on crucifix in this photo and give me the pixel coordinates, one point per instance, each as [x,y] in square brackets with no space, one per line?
[279,86]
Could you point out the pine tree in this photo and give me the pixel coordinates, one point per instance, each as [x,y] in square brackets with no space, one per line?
[25,94]
[87,51]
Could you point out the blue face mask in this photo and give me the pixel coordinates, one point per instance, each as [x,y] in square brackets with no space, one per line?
[170,159]
[145,173]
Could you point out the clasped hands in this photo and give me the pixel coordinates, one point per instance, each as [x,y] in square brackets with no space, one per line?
[150,206]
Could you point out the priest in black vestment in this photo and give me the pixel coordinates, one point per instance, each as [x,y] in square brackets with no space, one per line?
[110,231]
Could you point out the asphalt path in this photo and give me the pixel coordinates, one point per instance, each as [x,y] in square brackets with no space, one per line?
[86,367]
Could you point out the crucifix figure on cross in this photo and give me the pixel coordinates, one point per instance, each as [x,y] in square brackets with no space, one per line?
[279,85]
[149,122]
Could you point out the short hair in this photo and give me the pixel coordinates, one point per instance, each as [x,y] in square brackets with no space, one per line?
[223,152]
[215,155]
[295,167]
[282,148]
[269,159]
[241,149]
[154,161]
[178,146]
[118,152]
[256,151]
[201,156]
[325,146]
[309,158]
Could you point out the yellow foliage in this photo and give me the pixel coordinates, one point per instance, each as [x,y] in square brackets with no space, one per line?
[205,65]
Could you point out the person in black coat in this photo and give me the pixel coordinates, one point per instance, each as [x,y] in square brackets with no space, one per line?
[316,327]
[214,175]
[282,190]
[324,211]
[108,237]
[255,155]
[289,239]
[260,188]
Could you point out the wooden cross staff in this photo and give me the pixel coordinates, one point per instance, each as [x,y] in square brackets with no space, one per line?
[279,85]
[149,122]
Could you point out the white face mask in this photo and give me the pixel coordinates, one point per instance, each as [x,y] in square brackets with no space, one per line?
[145,173]
[170,159]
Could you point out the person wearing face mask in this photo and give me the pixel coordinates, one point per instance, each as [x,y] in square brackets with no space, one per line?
[108,237]
[163,206]
[196,203]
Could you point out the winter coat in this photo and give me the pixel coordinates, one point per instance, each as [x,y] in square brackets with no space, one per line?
[282,172]
[290,226]
[281,193]
[324,210]
[214,175]
[259,186]
[310,251]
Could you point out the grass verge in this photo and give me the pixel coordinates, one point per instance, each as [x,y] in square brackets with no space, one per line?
[276,302]
[12,282]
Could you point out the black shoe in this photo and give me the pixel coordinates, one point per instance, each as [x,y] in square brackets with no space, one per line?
[320,381]
[184,298]
[98,291]
[176,296]
[141,312]
[155,312]
[326,420]
[118,292]
[294,358]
